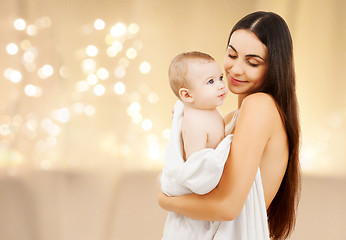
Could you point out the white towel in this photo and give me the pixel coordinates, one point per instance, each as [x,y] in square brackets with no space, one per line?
[199,174]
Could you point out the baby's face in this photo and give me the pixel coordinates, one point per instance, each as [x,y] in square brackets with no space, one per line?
[207,87]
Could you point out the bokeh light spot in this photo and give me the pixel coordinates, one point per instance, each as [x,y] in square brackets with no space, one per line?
[12,48]
[99,90]
[119,88]
[99,24]
[144,67]
[131,53]
[91,50]
[118,30]
[19,24]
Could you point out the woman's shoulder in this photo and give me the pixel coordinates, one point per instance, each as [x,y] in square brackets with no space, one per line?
[259,99]
[260,106]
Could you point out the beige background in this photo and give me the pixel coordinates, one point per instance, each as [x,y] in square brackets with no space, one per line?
[94,177]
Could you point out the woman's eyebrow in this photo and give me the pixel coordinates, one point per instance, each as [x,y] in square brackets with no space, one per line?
[232,48]
[254,55]
[249,55]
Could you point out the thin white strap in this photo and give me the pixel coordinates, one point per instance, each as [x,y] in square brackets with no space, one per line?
[233,121]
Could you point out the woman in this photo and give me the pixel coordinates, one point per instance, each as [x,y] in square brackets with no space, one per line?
[265,148]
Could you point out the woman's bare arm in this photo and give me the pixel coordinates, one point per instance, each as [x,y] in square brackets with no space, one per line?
[225,202]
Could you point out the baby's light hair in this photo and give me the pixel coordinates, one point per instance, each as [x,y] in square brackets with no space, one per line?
[179,66]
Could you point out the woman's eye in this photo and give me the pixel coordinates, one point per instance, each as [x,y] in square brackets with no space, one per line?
[211,81]
[253,64]
[232,56]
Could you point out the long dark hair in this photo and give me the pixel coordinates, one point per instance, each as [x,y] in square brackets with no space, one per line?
[273,32]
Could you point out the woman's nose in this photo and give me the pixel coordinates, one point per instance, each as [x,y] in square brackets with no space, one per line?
[237,68]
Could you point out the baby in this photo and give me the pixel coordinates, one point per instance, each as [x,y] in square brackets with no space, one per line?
[197,148]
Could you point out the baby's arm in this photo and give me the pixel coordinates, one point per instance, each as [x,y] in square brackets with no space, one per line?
[194,137]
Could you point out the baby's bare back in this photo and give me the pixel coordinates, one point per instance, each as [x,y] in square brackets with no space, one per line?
[201,129]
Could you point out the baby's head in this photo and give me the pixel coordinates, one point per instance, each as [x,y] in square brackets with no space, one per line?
[197,79]
[178,69]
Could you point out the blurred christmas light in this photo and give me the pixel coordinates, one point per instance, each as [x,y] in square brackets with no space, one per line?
[118,30]
[5,130]
[32,91]
[91,50]
[99,90]
[147,124]
[29,56]
[117,45]
[31,30]
[64,72]
[133,28]
[131,53]
[12,48]
[124,62]
[54,130]
[78,107]
[137,44]
[89,65]
[112,51]
[92,79]
[99,24]
[25,44]
[82,86]
[137,118]
[13,75]
[109,39]
[144,67]
[19,24]
[89,110]
[45,71]
[134,109]
[119,88]
[31,125]
[44,22]
[153,98]
[62,115]
[102,73]
[119,72]
[47,123]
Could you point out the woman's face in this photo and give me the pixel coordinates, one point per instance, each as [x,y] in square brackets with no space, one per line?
[246,62]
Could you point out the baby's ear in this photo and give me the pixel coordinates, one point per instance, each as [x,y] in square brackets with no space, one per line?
[185,95]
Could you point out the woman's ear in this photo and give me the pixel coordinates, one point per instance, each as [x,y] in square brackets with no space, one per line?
[185,95]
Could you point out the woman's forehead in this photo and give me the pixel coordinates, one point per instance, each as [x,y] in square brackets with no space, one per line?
[246,42]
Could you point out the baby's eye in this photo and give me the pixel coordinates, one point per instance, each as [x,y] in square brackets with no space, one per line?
[221,78]
[211,81]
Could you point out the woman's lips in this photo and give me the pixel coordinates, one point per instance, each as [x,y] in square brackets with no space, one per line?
[237,82]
